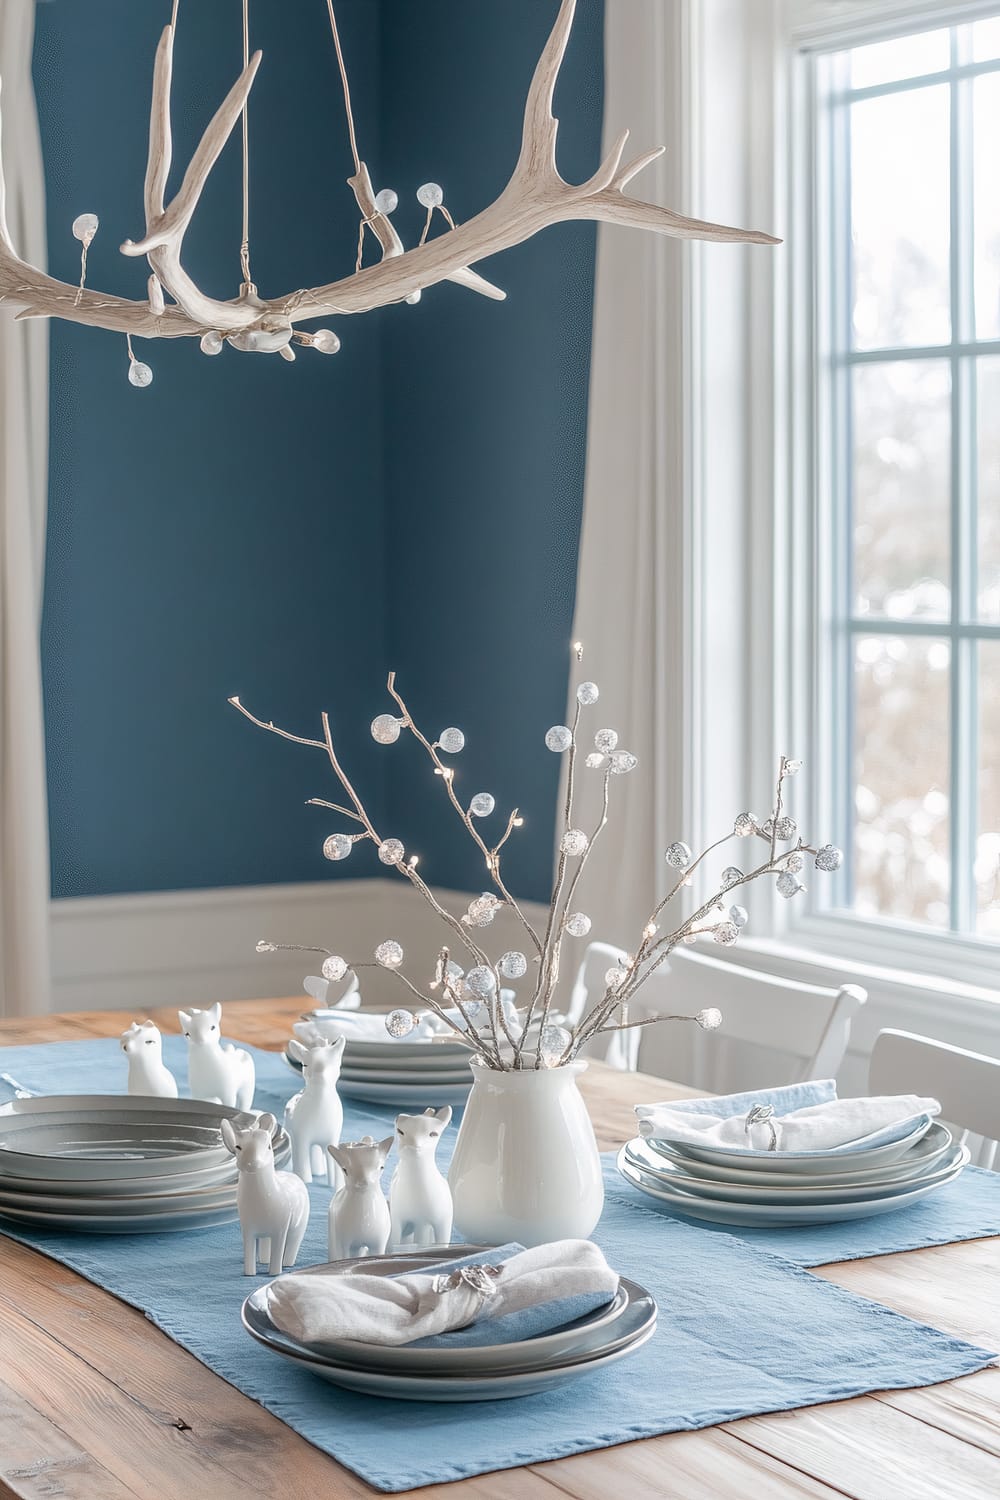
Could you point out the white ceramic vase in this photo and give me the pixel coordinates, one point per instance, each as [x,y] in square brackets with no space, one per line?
[526,1165]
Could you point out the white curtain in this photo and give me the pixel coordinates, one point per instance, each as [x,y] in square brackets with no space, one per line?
[24,849]
[631,578]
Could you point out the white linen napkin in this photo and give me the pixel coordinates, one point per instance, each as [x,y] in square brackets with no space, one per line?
[832,1125]
[560,1280]
[358,1026]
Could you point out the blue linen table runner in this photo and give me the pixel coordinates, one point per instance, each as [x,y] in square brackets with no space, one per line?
[719,1352]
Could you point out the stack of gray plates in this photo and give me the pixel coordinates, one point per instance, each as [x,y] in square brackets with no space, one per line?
[784,1188]
[109,1164]
[432,1071]
[488,1372]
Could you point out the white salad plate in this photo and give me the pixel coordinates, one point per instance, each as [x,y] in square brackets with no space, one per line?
[775,1215]
[799,1161]
[832,1191]
[929,1149]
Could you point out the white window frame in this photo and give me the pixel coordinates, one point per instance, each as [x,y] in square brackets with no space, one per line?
[753,467]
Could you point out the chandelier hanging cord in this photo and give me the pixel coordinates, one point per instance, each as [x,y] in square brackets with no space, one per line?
[352,134]
[248,289]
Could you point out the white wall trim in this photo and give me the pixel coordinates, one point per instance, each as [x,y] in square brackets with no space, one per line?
[137,952]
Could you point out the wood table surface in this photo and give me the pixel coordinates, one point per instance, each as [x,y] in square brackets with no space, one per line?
[97,1404]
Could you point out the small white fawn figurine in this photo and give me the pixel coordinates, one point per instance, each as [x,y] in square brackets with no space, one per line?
[273,1206]
[419,1197]
[314,1118]
[147,1073]
[220,1074]
[359,1215]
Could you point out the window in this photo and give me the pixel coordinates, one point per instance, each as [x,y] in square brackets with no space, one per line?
[908,313]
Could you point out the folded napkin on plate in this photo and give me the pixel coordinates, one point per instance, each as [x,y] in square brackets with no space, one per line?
[359,1026]
[536,1290]
[808,1117]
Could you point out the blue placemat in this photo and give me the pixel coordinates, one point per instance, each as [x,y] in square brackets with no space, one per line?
[720,1351]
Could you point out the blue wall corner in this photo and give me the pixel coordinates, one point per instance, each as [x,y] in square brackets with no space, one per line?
[289,532]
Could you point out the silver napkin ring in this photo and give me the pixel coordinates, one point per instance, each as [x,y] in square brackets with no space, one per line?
[761,1114]
[479,1279]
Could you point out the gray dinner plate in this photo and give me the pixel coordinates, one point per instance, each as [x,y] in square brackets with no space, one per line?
[68,1137]
[602,1331]
[922,1155]
[144,1223]
[205,1179]
[799,1161]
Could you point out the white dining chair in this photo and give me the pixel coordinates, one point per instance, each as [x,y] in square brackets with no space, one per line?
[807,1025]
[966,1083]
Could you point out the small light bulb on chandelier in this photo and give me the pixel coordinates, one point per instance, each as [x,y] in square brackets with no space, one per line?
[558,738]
[482,805]
[709,1019]
[413,861]
[587,693]
[325,341]
[389,954]
[385,729]
[517,822]
[578,924]
[399,1023]
[650,931]
[139,374]
[391,851]
[85,226]
[263,946]
[578,650]
[430,195]
[334,967]
[386,201]
[452,741]
[212,342]
[574,841]
[337,846]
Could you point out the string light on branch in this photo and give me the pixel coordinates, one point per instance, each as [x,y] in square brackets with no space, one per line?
[391,851]
[481,981]
[615,977]
[709,1019]
[558,738]
[606,740]
[587,693]
[399,1023]
[389,954]
[482,805]
[452,741]
[334,967]
[212,342]
[139,374]
[513,965]
[263,946]
[386,201]
[337,846]
[578,924]
[574,842]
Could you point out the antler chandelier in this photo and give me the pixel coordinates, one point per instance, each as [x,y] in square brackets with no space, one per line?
[535,197]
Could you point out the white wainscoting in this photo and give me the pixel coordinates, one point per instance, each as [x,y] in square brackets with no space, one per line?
[193,947]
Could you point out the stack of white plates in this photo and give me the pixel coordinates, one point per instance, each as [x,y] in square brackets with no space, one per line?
[784,1188]
[393,1072]
[109,1164]
[488,1372]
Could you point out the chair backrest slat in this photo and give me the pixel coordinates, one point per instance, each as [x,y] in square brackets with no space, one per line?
[967,1083]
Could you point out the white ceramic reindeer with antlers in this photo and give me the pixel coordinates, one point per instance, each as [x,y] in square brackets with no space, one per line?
[535,197]
[359,1215]
[219,1072]
[314,1118]
[420,1205]
[273,1205]
[147,1072]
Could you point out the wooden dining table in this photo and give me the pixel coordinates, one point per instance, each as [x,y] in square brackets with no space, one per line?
[97,1404]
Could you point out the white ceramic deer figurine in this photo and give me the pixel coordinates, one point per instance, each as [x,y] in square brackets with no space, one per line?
[359,1215]
[273,1206]
[147,1072]
[420,1205]
[314,1118]
[220,1074]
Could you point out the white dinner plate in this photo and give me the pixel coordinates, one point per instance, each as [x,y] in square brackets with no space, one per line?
[831,1190]
[802,1161]
[919,1158]
[775,1216]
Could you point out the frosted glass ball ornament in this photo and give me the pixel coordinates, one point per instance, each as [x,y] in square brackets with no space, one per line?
[513,965]
[786,828]
[709,1019]
[615,976]
[334,967]
[558,738]
[795,863]
[594,762]
[578,924]
[587,693]
[212,342]
[829,858]
[791,767]
[745,825]
[325,341]
[574,841]
[622,762]
[552,1044]
[788,885]
[386,201]
[337,846]
[389,954]
[263,946]
[430,195]
[482,804]
[451,740]
[85,226]
[471,1004]
[678,855]
[606,740]
[399,1023]
[391,851]
[385,729]
[482,910]
[139,374]
[739,916]
[726,933]
[731,876]
[481,981]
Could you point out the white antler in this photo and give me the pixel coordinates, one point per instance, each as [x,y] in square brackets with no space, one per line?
[535,197]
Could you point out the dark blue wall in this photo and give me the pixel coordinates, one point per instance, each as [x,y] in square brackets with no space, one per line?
[288,531]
